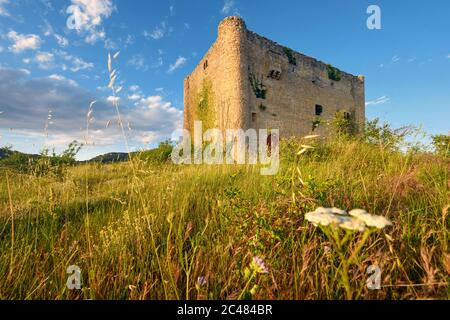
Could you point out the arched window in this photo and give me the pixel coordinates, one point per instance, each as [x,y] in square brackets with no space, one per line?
[319,110]
[347,115]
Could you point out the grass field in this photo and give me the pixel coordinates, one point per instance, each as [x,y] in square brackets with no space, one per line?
[143,230]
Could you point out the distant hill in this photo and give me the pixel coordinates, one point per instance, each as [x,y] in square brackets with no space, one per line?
[6,153]
[110,157]
[161,154]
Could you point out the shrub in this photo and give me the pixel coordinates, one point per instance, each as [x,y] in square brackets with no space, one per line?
[344,125]
[384,135]
[259,89]
[55,164]
[441,144]
[290,54]
[333,73]
[159,155]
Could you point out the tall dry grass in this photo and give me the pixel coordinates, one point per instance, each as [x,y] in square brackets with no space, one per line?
[152,231]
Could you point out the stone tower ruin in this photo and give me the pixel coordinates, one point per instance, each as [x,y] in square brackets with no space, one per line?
[247,81]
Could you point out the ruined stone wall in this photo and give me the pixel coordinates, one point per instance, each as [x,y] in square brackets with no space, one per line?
[295,88]
[220,70]
[256,83]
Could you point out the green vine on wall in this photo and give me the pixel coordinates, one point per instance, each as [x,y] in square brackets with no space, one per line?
[205,106]
[333,73]
[290,55]
[257,85]
[317,121]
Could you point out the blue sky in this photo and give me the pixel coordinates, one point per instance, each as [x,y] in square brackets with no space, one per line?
[46,66]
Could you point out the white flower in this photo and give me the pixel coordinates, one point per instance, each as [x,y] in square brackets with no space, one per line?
[369,219]
[322,217]
[356,220]
[352,224]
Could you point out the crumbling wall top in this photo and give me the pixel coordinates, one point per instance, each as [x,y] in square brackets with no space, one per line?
[233,22]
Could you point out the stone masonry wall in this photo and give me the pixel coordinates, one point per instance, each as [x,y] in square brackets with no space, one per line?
[291,91]
[221,69]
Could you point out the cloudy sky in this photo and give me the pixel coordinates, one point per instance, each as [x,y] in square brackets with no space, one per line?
[53,62]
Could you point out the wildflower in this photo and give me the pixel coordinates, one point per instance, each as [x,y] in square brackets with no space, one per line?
[201,281]
[352,224]
[370,220]
[356,220]
[258,265]
[322,217]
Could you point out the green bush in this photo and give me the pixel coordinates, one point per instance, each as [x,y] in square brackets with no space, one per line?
[159,155]
[258,86]
[50,163]
[333,73]
[290,54]
[385,136]
[344,125]
[442,144]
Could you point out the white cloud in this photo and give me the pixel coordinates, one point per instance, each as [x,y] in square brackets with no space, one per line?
[111,45]
[63,79]
[25,71]
[62,41]
[113,99]
[155,112]
[129,40]
[395,59]
[378,101]
[159,63]
[158,32]
[3,11]
[44,57]
[228,7]
[76,63]
[138,62]
[22,42]
[1,49]
[48,31]
[448,57]
[152,119]
[94,36]
[79,64]
[44,60]
[90,14]
[134,97]
[134,88]
[180,62]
